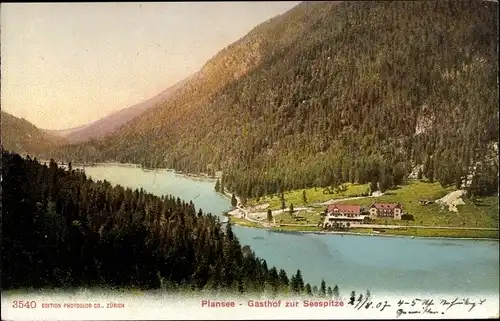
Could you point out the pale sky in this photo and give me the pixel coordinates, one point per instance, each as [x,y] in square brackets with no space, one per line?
[67,64]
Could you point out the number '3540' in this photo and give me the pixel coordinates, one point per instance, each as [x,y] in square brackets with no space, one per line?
[24,304]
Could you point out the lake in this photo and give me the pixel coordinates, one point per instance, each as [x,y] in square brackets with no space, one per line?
[381,264]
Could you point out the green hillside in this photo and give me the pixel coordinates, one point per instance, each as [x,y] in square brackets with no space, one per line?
[333,92]
[64,230]
[21,136]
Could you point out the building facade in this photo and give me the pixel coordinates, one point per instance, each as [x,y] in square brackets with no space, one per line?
[343,215]
[386,211]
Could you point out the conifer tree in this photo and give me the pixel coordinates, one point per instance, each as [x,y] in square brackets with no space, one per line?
[269,215]
[308,289]
[234,201]
[322,289]
[335,291]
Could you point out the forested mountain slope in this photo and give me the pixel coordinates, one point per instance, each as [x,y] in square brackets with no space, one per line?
[23,137]
[62,229]
[109,124]
[332,92]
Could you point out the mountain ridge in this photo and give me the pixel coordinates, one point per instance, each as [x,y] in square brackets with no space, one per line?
[21,136]
[328,93]
[112,122]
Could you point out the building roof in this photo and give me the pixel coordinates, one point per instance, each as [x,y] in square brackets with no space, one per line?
[344,208]
[386,206]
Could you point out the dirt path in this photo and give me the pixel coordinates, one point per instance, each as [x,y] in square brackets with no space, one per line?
[426,227]
[242,212]
[334,201]
[261,217]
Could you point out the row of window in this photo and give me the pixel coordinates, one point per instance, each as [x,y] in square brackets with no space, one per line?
[385,214]
[342,214]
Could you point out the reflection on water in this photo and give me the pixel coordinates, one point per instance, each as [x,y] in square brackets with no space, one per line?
[353,262]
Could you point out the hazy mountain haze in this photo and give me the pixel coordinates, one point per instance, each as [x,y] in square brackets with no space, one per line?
[66,65]
[110,123]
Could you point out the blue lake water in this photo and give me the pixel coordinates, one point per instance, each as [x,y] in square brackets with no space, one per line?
[381,264]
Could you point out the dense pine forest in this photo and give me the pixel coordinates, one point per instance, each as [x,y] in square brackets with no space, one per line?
[62,229]
[332,92]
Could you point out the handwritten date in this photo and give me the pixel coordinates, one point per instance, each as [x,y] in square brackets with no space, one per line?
[416,305]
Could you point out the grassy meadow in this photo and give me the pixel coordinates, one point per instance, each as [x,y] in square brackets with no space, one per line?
[313,195]
[481,213]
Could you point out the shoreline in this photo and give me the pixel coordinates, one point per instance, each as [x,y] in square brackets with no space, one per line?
[247,211]
[132,165]
[227,193]
[262,227]
[367,234]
